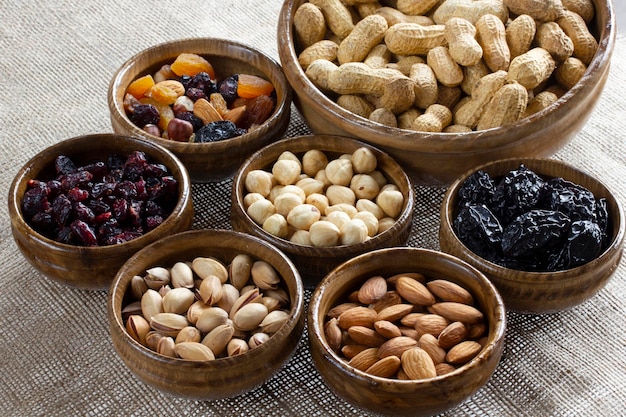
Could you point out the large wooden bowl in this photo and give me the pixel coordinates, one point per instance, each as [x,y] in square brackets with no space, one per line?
[405,397]
[91,267]
[439,158]
[315,262]
[540,292]
[214,161]
[219,378]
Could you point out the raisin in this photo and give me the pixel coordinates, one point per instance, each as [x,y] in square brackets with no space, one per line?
[63,165]
[82,212]
[195,94]
[201,81]
[145,114]
[188,116]
[153,221]
[216,131]
[228,88]
[77,194]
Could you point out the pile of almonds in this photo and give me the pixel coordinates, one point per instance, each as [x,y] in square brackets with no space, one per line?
[406,327]
[205,309]
[315,200]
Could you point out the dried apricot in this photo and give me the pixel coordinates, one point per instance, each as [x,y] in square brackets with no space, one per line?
[250,86]
[166,92]
[191,64]
[139,86]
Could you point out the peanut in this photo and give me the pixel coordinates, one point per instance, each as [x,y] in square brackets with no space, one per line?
[398,95]
[570,72]
[471,75]
[520,34]
[365,35]
[447,71]
[405,63]
[337,16]
[378,57]
[449,96]
[414,39]
[471,10]
[367,9]
[395,16]
[542,10]
[506,106]
[356,104]
[585,45]
[323,49]
[309,25]
[532,68]
[384,117]
[435,119]
[491,35]
[551,37]
[584,8]
[426,90]
[319,72]
[462,44]
[358,78]
[415,7]
[469,113]
[541,101]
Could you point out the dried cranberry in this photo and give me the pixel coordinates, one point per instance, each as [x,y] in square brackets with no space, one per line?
[135,165]
[145,114]
[155,170]
[62,209]
[126,190]
[77,194]
[35,200]
[153,221]
[120,209]
[84,213]
[63,165]
[83,233]
[97,169]
[201,81]
[75,179]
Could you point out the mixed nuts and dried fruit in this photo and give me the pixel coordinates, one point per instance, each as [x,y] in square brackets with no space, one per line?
[314,200]
[206,309]
[406,326]
[104,202]
[186,102]
[526,222]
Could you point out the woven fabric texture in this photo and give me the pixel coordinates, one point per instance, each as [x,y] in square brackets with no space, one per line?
[56,356]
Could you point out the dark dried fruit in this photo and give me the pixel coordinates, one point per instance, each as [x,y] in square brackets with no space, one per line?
[257,111]
[145,114]
[534,233]
[516,193]
[479,229]
[228,88]
[478,188]
[216,131]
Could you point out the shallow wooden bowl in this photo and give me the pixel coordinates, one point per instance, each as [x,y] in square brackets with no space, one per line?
[223,377]
[540,292]
[438,158]
[214,161]
[405,397]
[315,262]
[91,267]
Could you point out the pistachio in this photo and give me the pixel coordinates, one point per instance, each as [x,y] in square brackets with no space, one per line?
[166,347]
[137,327]
[210,290]
[130,309]
[206,266]
[137,287]
[188,334]
[152,339]
[264,276]
[271,303]
[168,323]
[194,351]
[258,339]
[181,275]
[247,296]
[151,304]
[236,347]
[178,300]
[280,294]
[196,310]
[229,296]
[157,277]
[211,318]
[218,338]
[274,321]
[239,270]
[164,290]
[249,316]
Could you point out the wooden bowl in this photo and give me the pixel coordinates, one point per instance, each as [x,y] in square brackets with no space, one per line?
[540,292]
[405,397]
[214,161]
[315,262]
[439,158]
[219,378]
[91,267]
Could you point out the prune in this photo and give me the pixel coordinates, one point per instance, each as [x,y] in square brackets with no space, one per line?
[517,192]
[188,116]
[534,232]
[145,114]
[228,88]
[584,243]
[216,131]
[572,199]
[479,188]
[479,229]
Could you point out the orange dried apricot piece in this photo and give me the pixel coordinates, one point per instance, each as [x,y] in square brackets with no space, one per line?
[139,86]
[191,64]
[250,86]
[166,92]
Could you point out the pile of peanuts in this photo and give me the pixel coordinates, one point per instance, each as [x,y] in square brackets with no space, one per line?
[322,202]
[407,326]
[445,66]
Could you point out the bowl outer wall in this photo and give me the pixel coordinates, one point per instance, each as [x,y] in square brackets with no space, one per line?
[394,397]
[536,292]
[314,263]
[224,377]
[92,267]
[217,160]
[439,158]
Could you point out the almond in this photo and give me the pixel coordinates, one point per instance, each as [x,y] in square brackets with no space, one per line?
[417,364]
[414,291]
[387,329]
[449,291]
[414,275]
[385,368]
[457,312]
[350,351]
[364,359]
[395,312]
[357,316]
[235,115]
[455,333]
[333,334]
[463,352]
[372,290]
[396,346]
[409,332]
[205,111]
[338,309]
[389,299]
[474,331]
[444,368]
[430,344]
[431,324]
[366,336]
[410,319]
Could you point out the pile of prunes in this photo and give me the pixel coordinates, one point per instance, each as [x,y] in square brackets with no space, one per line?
[525,222]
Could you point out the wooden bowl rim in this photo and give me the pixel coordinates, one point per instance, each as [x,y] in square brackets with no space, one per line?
[174,164]
[514,275]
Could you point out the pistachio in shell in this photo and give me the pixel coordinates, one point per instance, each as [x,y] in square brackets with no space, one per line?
[151,304]
[264,275]
[236,347]
[138,328]
[168,323]
[178,300]
[210,290]
[207,266]
[250,316]
[157,277]
[218,338]
[211,318]
[181,275]
[240,268]
[194,351]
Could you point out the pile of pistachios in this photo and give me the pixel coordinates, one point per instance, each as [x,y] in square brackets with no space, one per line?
[206,309]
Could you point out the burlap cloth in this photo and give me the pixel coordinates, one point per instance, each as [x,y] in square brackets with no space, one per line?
[56,355]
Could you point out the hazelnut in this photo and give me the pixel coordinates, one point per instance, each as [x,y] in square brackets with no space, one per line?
[353,232]
[310,185]
[368,205]
[259,181]
[364,161]
[183,104]
[391,202]
[313,161]
[364,186]
[286,171]
[260,210]
[250,198]
[338,194]
[338,218]
[323,234]
[318,200]
[301,237]
[347,208]
[370,221]
[285,202]
[303,216]
[385,224]
[179,130]
[289,156]
[276,224]
[339,171]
